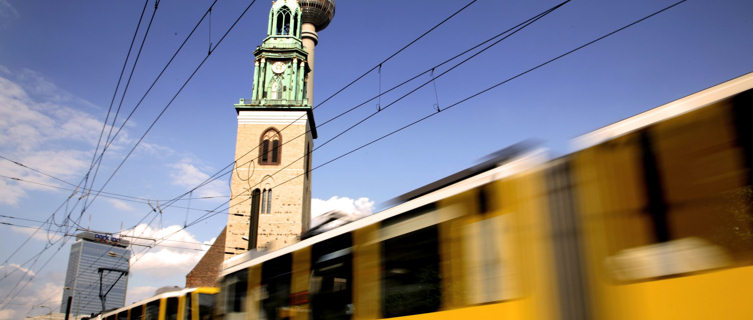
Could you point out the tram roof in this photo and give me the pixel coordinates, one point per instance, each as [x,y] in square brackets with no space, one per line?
[519,163]
[675,108]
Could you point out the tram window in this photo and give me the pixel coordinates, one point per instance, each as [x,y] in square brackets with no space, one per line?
[410,273]
[234,287]
[123,315]
[136,313]
[275,284]
[152,310]
[187,308]
[171,311]
[675,198]
[331,286]
[206,301]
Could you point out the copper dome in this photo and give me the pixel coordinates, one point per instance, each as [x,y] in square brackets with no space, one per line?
[317,12]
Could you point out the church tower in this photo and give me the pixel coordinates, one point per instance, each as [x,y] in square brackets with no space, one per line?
[271,184]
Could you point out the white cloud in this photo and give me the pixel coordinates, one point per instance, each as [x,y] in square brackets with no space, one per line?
[45,291]
[39,128]
[45,127]
[186,174]
[136,294]
[356,207]
[38,234]
[10,192]
[7,13]
[177,251]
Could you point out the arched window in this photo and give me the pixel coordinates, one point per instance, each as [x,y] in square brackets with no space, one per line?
[283,21]
[270,150]
[254,223]
[266,201]
[269,201]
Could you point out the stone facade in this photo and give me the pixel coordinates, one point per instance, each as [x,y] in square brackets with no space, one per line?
[270,204]
[290,210]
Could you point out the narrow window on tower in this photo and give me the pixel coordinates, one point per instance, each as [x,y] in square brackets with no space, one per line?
[254,223]
[275,147]
[269,201]
[264,201]
[265,151]
[270,150]
[308,160]
[283,21]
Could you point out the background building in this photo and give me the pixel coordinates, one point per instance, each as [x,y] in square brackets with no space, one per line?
[93,256]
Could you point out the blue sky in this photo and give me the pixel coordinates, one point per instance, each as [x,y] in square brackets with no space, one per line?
[59,63]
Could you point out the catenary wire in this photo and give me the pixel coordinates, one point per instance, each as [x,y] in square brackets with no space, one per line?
[164,109]
[473,95]
[511,31]
[497,85]
[120,104]
[232,164]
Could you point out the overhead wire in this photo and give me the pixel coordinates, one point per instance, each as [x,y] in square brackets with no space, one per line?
[151,126]
[394,54]
[484,91]
[86,176]
[379,65]
[108,111]
[476,94]
[117,88]
[509,32]
[122,97]
[116,196]
[231,165]
[163,110]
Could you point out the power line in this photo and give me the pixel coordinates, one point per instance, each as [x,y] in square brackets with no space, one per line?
[159,76]
[112,195]
[379,65]
[467,98]
[389,57]
[509,32]
[485,90]
[86,205]
[162,112]
[37,171]
[231,165]
[85,179]
[122,97]
[117,86]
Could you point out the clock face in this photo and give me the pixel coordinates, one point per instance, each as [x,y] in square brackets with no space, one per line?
[278,67]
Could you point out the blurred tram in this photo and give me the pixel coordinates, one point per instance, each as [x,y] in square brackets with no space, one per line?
[186,304]
[651,219]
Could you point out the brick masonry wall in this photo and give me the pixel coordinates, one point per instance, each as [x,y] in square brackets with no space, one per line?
[291,194]
[206,271]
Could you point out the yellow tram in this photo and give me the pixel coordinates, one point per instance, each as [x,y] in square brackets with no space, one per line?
[651,219]
[186,304]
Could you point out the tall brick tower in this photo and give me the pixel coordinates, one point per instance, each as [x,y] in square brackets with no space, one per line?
[271,183]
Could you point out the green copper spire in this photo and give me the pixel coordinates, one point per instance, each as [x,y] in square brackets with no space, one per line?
[280,66]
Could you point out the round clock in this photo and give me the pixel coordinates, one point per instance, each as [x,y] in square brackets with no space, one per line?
[278,67]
